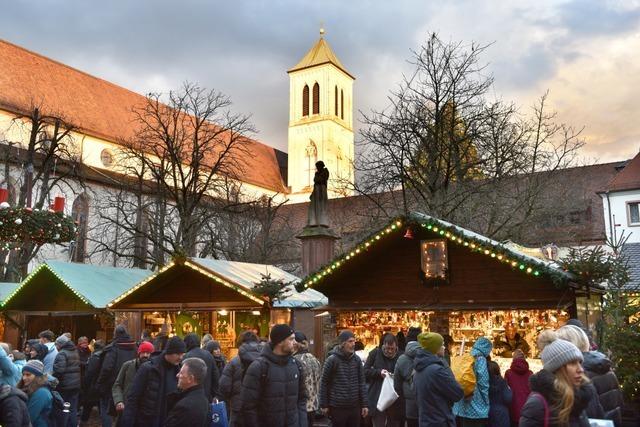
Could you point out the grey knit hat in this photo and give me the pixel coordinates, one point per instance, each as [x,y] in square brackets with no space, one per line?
[61,340]
[34,366]
[558,354]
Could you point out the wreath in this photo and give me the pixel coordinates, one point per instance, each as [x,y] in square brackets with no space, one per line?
[38,226]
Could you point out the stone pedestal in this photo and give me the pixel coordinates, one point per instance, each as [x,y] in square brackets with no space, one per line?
[317,248]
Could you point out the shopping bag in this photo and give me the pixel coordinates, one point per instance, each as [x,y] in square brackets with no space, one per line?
[388,394]
[219,415]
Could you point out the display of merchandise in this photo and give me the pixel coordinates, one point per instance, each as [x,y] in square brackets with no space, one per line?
[369,326]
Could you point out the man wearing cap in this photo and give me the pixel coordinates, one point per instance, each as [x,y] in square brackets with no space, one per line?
[311,371]
[342,386]
[436,387]
[146,403]
[273,393]
[66,369]
[127,374]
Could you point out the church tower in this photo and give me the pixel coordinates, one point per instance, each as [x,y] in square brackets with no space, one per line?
[320,122]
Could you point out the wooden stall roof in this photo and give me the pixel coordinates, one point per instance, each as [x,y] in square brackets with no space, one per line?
[384,270]
[68,287]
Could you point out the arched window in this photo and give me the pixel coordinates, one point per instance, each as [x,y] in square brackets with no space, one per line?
[141,243]
[80,214]
[336,100]
[342,104]
[316,98]
[311,153]
[305,101]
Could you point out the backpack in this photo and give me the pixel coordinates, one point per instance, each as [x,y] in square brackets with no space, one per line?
[462,367]
[57,408]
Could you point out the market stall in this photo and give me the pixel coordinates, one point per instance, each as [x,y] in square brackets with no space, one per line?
[206,296]
[421,271]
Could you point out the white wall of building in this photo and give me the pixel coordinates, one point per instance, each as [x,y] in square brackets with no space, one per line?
[616,215]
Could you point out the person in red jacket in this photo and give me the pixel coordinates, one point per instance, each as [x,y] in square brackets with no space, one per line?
[518,379]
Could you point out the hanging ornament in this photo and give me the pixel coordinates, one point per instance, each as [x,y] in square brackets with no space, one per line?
[18,221]
[4,205]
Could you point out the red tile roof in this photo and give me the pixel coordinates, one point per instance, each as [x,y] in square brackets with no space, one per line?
[96,106]
[628,178]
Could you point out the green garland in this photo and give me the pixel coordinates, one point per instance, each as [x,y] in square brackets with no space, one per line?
[38,226]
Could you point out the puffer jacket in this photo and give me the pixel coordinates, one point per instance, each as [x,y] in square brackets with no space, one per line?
[311,372]
[66,368]
[13,407]
[121,349]
[273,393]
[402,379]
[146,402]
[598,368]
[533,411]
[436,390]
[342,384]
[233,374]
[517,377]
[477,407]
[212,378]
[373,367]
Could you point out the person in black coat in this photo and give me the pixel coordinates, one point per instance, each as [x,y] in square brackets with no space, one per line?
[436,387]
[189,407]
[89,392]
[214,348]
[500,397]
[233,374]
[342,385]
[66,369]
[120,350]
[598,368]
[210,383]
[273,392]
[380,362]
[13,407]
[146,402]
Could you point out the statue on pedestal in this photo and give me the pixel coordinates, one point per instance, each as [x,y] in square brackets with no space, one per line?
[317,216]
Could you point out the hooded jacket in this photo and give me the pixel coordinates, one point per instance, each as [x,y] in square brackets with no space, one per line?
[598,368]
[517,378]
[41,351]
[436,390]
[52,352]
[532,414]
[477,407]
[375,363]
[402,379]
[273,392]
[66,368]
[9,372]
[121,349]
[233,374]
[500,397]
[342,384]
[212,378]
[13,407]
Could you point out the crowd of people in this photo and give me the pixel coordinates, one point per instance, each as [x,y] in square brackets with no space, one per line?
[170,381]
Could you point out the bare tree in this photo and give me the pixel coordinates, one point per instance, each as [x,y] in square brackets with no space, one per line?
[49,160]
[180,188]
[441,147]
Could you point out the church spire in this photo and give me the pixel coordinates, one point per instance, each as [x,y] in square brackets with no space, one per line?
[320,54]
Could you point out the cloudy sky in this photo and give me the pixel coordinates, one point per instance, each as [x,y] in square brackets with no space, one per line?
[584,52]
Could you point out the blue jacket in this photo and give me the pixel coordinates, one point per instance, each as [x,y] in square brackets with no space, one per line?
[39,406]
[477,407]
[50,357]
[9,372]
[500,397]
[436,390]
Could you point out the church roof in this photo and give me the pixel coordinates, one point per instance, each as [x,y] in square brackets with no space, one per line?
[320,54]
[98,107]
[628,178]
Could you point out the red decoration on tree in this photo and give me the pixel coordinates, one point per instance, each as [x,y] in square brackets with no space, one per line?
[4,195]
[58,204]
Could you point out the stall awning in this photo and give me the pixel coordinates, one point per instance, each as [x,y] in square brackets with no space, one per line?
[67,286]
[6,289]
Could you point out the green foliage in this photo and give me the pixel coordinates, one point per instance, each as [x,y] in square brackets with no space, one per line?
[620,328]
[38,226]
[271,290]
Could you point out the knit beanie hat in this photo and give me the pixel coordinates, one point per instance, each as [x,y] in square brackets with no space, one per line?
[280,333]
[558,353]
[34,366]
[431,341]
[212,345]
[145,347]
[300,337]
[175,346]
[345,336]
[62,340]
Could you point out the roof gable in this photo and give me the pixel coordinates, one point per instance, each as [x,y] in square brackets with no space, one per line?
[98,107]
[628,178]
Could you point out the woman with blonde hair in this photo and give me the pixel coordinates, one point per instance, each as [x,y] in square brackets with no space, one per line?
[559,393]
